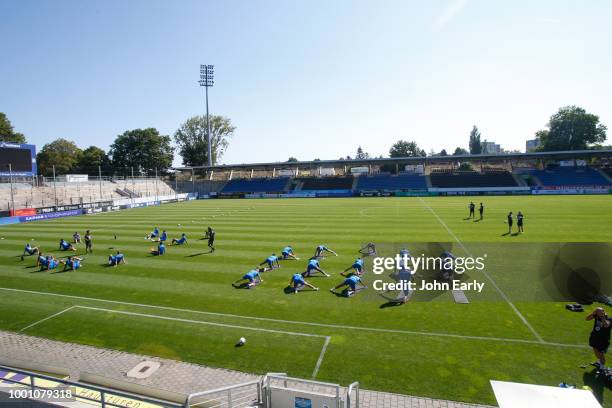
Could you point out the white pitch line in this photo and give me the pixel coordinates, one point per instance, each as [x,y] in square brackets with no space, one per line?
[320,360]
[46,318]
[177,319]
[484,272]
[298,323]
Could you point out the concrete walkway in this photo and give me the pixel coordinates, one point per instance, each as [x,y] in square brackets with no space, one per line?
[172,378]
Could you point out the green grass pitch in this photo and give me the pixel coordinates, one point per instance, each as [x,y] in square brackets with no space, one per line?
[182,306]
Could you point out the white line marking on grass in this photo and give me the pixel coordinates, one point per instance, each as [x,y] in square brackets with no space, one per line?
[46,318]
[320,360]
[484,272]
[298,323]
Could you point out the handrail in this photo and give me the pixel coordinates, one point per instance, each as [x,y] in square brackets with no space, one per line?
[102,390]
[355,386]
[221,389]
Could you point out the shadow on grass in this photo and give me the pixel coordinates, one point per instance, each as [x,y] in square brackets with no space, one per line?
[596,383]
[288,290]
[198,254]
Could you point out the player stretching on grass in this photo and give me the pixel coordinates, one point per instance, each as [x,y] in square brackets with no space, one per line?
[368,249]
[313,265]
[72,263]
[153,234]
[322,248]
[271,261]
[29,250]
[114,260]
[49,263]
[288,253]
[163,237]
[357,267]
[252,277]
[298,282]
[351,282]
[66,246]
[182,240]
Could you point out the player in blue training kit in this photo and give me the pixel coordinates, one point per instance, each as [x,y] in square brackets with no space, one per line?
[114,260]
[182,240]
[163,237]
[297,282]
[161,249]
[252,277]
[351,282]
[66,246]
[49,263]
[357,267]
[29,250]
[72,263]
[322,248]
[272,262]
[288,253]
[313,265]
[41,261]
[368,249]
[153,234]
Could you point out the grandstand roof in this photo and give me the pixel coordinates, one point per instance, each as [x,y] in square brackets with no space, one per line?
[560,155]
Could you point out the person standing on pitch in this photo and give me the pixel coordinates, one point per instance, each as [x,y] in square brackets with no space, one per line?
[88,242]
[210,234]
[599,340]
[481,211]
[472,207]
[510,221]
[519,221]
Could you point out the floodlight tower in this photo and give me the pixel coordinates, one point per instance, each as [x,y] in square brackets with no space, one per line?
[207,80]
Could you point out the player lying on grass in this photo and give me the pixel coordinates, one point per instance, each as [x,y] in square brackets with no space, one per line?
[72,263]
[161,249]
[252,278]
[114,260]
[182,240]
[357,268]
[29,250]
[288,253]
[351,282]
[48,263]
[298,282]
[153,234]
[163,237]
[368,249]
[271,261]
[66,246]
[313,266]
[322,248]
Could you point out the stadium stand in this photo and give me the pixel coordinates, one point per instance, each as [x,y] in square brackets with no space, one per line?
[385,181]
[327,183]
[276,185]
[570,176]
[472,179]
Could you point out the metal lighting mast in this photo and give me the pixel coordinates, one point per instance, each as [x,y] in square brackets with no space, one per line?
[207,80]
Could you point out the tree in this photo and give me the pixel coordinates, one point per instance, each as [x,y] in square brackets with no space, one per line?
[475,143]
[460,152]
[361,155]
[91,158]
[292,160]
[7,133]
[142,149]
[466,166]
[191,139]
[61,153]
[443,152]
[403,148]
[572,128]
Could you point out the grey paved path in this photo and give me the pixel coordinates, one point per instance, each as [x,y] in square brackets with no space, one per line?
[172,376]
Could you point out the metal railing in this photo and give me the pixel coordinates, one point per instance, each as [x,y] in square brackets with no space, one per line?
[350,402]
[246,394]
[96,395]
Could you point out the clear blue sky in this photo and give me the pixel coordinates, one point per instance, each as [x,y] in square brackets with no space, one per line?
[311,79]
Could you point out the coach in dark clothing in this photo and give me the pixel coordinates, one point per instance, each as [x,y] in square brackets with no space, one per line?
[510,221]
[599,339]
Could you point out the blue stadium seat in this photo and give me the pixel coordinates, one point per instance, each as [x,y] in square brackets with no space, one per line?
[388,182]
[570,176]
[276,185]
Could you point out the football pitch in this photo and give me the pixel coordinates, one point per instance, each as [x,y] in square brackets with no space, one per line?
[182,305]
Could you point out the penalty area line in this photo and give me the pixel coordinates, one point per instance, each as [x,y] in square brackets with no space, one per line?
[46,318]
[502,294]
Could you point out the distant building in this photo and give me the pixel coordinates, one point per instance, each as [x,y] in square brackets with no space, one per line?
[491,148]
[532,145]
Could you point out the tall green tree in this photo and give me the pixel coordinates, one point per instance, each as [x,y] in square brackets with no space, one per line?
[459,151]
[361,155]
[192,141]
[403,148]
[7,133]
[91,158]
[292,160]
[572,128]
[142,149]
[61,153]
[475,142]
